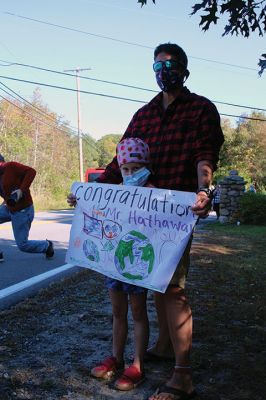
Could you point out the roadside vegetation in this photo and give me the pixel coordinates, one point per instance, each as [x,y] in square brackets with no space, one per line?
[33,134]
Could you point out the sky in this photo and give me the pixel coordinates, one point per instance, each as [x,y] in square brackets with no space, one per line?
[113,40]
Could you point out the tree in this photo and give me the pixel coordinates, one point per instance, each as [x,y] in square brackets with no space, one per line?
[107,145]
[90,152]
[244,18]
[244,149]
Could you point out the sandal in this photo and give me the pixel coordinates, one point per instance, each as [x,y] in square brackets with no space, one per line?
[107,368]
[175,394]
[130,378]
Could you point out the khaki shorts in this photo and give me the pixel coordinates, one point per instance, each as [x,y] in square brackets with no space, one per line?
[181,272]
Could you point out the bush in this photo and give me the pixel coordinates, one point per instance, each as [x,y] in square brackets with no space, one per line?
[253,207]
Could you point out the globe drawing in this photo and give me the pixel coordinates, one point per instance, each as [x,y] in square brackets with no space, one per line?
[91,251]
[134,256]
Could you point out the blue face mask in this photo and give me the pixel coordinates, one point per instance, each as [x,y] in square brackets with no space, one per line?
[138,178]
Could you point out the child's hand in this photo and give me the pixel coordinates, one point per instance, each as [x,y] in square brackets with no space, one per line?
[72,200]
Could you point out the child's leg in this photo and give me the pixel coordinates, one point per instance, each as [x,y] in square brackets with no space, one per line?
[141,327]
[120,308]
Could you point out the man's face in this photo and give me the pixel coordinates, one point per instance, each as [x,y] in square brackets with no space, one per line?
[169,72]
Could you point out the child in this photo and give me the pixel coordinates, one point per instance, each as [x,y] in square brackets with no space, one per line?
[133,158]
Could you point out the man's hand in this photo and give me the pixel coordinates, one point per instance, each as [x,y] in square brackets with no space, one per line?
[18,193]
[72,200]
[202,205]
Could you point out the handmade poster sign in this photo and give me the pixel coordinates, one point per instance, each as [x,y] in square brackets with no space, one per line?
[133,234]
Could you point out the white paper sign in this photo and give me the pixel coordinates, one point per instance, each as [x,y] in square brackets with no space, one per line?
[133,234]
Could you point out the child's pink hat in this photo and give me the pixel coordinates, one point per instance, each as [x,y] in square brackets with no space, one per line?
[132,150]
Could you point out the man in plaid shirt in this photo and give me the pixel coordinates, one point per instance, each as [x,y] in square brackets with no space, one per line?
[184,135]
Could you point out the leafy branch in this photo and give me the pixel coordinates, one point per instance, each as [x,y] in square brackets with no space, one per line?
[243,17]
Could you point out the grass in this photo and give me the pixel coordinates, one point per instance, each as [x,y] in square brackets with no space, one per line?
[251,231]
[45,203]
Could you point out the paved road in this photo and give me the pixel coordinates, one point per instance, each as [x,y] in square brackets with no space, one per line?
[21,273]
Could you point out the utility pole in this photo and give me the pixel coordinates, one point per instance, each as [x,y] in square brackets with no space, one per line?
[77,71]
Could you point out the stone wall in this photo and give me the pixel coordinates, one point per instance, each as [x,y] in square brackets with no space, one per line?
[232,188]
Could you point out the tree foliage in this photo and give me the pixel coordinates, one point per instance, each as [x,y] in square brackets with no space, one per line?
[52,148]
[107,146]
[245,149]
[243,17]
[32,134]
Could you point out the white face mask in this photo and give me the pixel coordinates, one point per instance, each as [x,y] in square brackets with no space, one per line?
[138,178]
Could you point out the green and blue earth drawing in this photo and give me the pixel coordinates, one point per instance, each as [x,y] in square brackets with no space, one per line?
[91,250]
[134,256]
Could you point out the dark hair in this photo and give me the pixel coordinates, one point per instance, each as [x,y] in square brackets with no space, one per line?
[173,50]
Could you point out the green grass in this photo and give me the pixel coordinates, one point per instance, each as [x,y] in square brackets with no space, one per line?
[45,204]
[252,231]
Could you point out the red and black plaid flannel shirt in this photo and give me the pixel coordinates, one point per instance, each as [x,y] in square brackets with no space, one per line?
[187,132]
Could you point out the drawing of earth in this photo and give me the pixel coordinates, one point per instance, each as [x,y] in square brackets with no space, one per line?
[91,250]
[134,256]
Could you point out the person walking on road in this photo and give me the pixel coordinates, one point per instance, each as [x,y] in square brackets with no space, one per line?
[15,181]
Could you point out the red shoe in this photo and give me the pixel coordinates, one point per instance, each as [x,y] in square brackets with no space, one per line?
[130,378]
[107,368]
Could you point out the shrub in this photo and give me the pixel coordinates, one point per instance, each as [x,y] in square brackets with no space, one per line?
[253,207]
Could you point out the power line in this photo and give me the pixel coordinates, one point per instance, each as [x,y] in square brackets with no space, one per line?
[124,85]
[84,136]
[244,117]
[33,116]
[82,77]
[78,30]
[116,40]
[73,128]
[109,96]
[39,110]
[71,90]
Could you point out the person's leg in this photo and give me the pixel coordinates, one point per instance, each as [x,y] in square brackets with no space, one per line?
[134,375]
[21,223]
[4,217]
[163,346]
[4,214]
[141,327]
[218,211]
[216,208]
[108,367]
[119,302]
[179,317]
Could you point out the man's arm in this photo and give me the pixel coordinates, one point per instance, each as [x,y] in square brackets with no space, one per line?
[24,173]
[28,175]
[202,205]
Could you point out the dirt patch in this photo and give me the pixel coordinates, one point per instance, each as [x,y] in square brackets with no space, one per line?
[49,342]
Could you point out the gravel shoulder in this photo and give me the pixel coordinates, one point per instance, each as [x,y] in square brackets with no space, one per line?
[49,342]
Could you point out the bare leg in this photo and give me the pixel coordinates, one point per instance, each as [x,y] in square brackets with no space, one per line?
[163,346]
[179,317]
[141,327]
[120,308]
